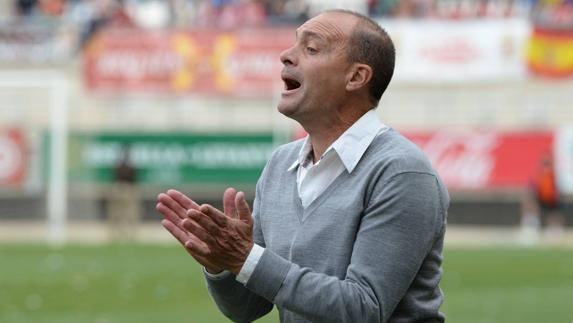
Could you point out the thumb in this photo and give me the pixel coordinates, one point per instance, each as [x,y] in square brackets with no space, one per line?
[243,208]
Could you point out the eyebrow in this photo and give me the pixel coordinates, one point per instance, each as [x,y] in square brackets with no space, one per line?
[309,34]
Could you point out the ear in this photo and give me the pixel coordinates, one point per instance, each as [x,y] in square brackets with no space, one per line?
[358,76]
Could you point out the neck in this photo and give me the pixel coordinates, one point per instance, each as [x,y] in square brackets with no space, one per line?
[321,141]
[323,134]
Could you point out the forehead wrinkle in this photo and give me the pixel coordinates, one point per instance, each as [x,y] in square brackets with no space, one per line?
[310,34]
[323,30]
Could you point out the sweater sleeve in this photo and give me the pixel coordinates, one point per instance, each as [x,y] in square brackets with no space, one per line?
[401,222]
[233,299]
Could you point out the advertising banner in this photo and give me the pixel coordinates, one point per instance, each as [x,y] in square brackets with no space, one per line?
[239,63]
[13,161]
[245,63]
[481,160]
[458,51]
[176,158]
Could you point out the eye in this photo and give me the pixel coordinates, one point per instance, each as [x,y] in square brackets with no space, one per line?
[311,50]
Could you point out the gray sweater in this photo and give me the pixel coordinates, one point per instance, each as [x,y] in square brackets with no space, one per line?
[368,249]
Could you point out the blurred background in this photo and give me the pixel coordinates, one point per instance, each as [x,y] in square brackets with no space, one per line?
[106,103]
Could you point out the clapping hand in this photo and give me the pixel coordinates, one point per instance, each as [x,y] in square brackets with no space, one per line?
[217,240]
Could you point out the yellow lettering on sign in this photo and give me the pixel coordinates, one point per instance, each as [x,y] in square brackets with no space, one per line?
[184,79]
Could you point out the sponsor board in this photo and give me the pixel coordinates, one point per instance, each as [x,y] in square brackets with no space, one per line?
[13,160]
[458,51]
[482,160]
[175,158]
[245,63]
[487,160]
[239,63]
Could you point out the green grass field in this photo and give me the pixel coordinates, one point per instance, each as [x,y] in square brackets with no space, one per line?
[150,283]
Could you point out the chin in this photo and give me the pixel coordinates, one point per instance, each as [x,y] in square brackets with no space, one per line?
[286,109]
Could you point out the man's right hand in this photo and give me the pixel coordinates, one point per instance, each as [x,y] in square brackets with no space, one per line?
[174,206]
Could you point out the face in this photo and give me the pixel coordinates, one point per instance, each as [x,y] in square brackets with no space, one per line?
[315,67]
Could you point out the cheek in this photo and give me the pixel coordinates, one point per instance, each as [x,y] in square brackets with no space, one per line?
[331,85]
[325,80]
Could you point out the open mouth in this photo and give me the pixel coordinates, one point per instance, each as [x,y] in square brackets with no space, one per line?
[290,83]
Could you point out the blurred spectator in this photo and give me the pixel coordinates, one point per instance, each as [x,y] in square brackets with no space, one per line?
[383,8]
[150,14]
[25,7]
[90,15]
[52,8]
[184,12]
[123,203]
[317,6]
[554,14]
[104,13]
[447,9]
[228,14]
[286,11]
[40,10]
[414,8]
[542,201]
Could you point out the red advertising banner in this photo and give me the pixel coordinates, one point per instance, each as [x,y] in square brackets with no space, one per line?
[471,160]
[239,63]
[482,160]
[12,157]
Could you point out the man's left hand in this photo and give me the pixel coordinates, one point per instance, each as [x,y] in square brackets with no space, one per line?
[227,238]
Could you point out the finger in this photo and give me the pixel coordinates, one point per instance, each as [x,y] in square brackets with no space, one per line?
[217,216]
[182,236]
[168,213]
[229,202]
[198,251]
[174,206]
[243,208]
[204,222]
[182,199]
[175,231]
[197,231]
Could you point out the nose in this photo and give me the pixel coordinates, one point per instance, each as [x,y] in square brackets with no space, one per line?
[287,57]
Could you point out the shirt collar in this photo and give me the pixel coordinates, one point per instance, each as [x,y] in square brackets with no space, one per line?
[302,154]
[351,145]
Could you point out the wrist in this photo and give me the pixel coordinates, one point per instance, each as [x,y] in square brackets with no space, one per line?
[237,269]
[220,276]
[213,271]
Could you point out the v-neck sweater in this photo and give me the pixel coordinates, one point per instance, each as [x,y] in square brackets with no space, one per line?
[368,249]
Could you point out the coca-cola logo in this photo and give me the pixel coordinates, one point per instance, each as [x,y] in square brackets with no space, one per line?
[463,159]
[11,157]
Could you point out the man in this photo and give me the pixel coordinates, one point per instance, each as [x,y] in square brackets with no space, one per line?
[123,200]
[348,224]
[542,200]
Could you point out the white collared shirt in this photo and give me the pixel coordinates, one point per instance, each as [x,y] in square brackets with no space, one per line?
[343,154]
[313,179]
